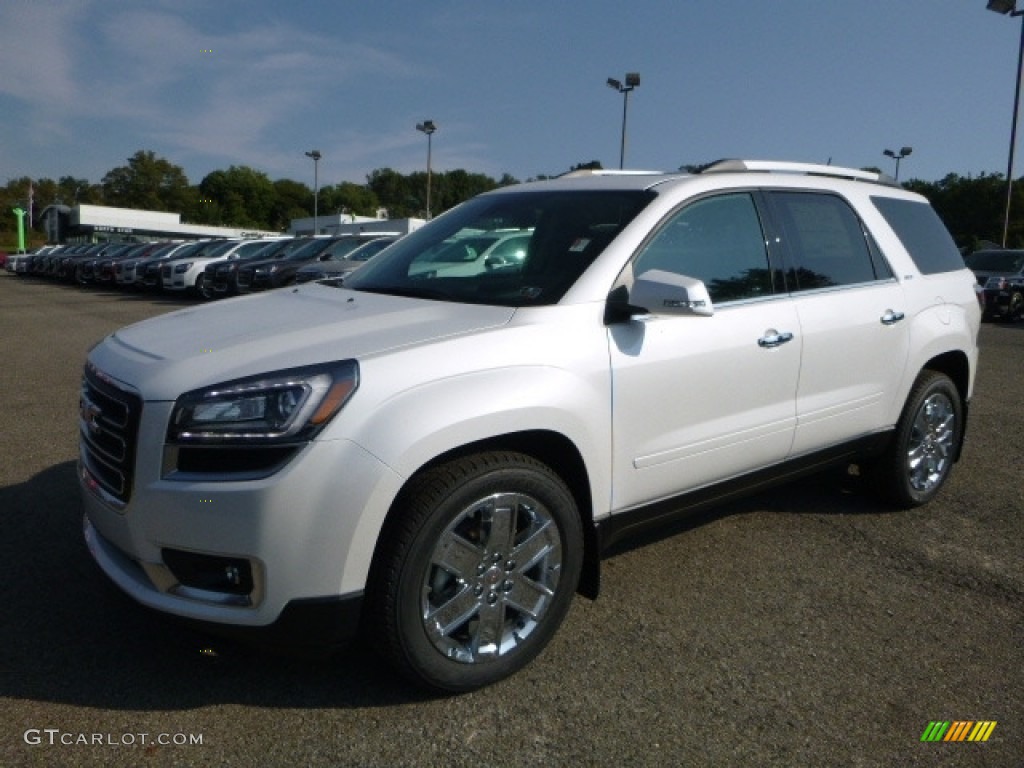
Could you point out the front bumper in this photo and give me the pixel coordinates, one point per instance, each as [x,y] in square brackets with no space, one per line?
[306,534]
[313,622]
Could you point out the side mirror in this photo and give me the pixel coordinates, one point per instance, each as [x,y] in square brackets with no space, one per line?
[658,292]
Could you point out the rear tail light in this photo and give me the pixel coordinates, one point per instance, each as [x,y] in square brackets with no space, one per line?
[996,283]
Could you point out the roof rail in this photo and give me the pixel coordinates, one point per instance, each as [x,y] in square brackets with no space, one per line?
[808,169]
[606,172]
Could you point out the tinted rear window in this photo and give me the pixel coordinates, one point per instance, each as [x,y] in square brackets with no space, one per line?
[996,261]
[922,233]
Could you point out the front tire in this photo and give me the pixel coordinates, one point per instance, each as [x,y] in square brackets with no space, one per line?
[477,570]
[920,457]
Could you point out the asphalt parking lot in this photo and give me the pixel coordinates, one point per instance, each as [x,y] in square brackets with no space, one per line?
[806,626]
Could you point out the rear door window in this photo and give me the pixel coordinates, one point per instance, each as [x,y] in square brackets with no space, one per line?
[827,245]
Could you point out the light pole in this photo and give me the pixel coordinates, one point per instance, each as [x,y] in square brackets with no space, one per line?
[632,81]
[897,156]
[315,154]
[428,127]
[1009,7]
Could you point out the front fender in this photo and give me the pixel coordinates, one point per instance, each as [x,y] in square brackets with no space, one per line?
[410,430]
[417,425]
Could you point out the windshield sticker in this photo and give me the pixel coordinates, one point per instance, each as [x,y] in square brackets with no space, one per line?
[529,292]
[580,245]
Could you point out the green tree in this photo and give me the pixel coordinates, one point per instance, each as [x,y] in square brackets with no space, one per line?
[292,200]
[406,195]
[396,192]
[241,197]
[149,183]
[15,194]
[72,191]
[453,187]
[973,208]
[348,197]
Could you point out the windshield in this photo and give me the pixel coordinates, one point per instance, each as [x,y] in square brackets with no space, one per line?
[365,251]
[343,246]
[308,249]
[211,248]
[254,249]
[278,249]
[191,249]
[996,261]
[511,249]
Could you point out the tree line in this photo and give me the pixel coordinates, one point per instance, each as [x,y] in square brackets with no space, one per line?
[972,207]
[241,196]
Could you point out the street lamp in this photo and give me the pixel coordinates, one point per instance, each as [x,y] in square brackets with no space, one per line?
[428,127]
[1009,7]
[897,156]
[632,81]
[315,154]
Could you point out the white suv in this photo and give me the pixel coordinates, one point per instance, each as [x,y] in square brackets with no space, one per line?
[440,459]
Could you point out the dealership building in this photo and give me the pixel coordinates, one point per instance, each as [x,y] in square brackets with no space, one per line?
[95,223]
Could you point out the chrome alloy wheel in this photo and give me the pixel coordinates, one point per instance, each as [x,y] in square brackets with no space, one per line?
[491,578]
[931,445]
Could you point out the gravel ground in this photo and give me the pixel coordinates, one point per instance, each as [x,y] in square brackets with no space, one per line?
[805,626]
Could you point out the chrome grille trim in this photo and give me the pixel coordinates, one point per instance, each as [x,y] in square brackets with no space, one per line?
[108,424]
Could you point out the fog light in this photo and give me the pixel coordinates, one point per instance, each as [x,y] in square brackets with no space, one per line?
[229,575]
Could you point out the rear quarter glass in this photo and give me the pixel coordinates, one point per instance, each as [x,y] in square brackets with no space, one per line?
[922,233]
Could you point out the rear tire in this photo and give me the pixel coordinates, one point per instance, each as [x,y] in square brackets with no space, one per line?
[476,570]
[920,457]
[1015,310]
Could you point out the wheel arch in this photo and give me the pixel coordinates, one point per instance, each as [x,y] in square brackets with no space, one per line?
[957,367]
[551,448]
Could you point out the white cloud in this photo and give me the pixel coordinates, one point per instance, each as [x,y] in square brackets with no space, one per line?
[36,52]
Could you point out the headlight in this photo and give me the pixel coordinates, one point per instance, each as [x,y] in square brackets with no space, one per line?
[281,407]
[181,268]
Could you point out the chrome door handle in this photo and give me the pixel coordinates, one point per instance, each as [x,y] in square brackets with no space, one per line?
[891,317]
[774,339]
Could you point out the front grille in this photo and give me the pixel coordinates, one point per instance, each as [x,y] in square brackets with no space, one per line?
[108,422]
[165,273]
[244,278]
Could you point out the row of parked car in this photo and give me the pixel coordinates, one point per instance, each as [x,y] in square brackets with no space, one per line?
[207,268]
[218,268]
[1000,274]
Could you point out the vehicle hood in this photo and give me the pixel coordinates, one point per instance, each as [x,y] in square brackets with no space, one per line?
[167,355]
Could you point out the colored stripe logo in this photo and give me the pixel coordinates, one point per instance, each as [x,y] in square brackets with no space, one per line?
[958,730]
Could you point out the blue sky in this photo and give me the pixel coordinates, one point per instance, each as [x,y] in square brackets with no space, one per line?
[514,86]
